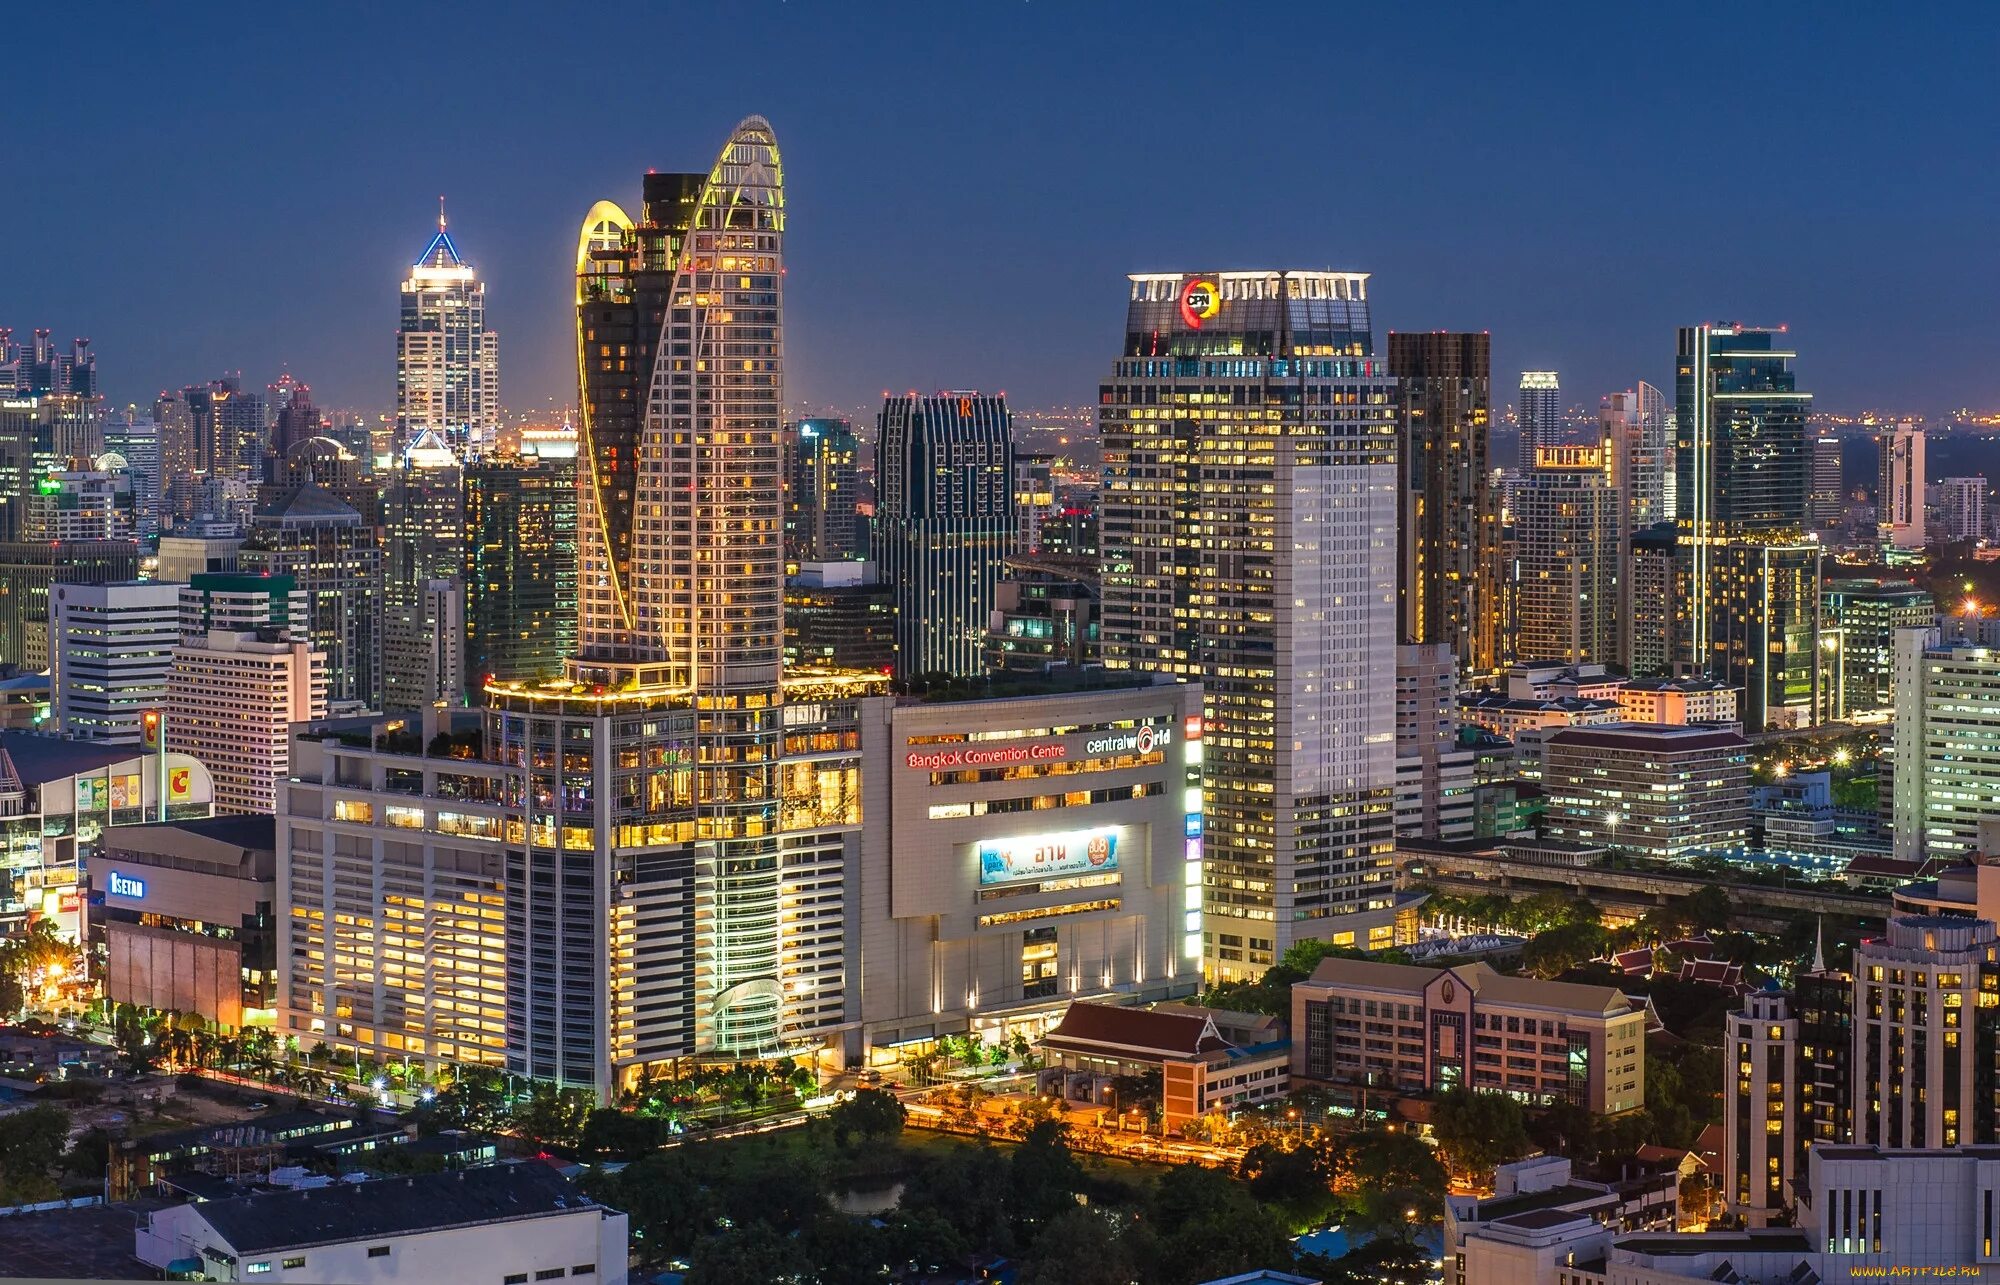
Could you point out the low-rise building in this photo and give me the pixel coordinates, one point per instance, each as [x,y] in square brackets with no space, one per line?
[1509,716]
[1022,852]
[1681,702]
[1416,1030]
[1534,1197]
[1200,1069]
[184,912]
[1657,790]
[507,1224]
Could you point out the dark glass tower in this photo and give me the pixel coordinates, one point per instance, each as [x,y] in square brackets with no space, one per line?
[1743,473]
[1447,509]
[822,483]
[945,486]
[520,567]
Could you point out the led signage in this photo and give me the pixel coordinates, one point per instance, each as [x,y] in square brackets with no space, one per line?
[126,886]
[1047,856]
[985,756]
[1200,300]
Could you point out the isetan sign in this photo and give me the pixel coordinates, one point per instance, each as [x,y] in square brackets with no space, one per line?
[985,756]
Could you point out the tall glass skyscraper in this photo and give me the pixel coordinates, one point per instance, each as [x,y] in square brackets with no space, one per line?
[1539,412]
[447,361]
[1751,601]
[944,485]
[1249,544]
[1449,511]
[822,485]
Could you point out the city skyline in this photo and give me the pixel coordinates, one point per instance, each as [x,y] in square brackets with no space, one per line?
[1566,273]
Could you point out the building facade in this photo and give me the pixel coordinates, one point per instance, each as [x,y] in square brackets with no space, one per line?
[1539,411]
[423,580]
[1900,487]
[822,489]
[1653,789]
[112,645]
[1567,529]
[944,513]
[1946,740]
[1409,1029]
[1961,508]
[520,565]
[1248,540]
[447,361]
[231,700]
[1448,513]
[1868,612]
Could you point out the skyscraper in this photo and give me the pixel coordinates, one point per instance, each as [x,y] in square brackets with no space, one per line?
[1828,499]
[1946,784]
[1448,511]
[227,425]
[110,645]
[1962,508]
[447,361]
[180,458]
[1638,419]
[1248,537]
[1539,412]
[520,565]
[333,557]
[1900,492]
[944,508]
[1751,600]
[423,555]
[822,483]
[135,439]
[1568,529]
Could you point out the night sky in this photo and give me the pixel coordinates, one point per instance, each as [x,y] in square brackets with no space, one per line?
[204,187]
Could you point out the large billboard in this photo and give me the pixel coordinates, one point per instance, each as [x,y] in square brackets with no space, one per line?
[1047,856]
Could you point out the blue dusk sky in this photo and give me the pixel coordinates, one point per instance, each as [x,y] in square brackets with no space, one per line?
[211,187]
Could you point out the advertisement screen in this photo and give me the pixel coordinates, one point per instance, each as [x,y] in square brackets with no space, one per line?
[1047,856]
[125,793]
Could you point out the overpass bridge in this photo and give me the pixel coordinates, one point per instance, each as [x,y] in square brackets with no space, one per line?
[1755,907]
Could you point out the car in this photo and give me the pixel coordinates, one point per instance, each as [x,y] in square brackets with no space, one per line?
[260,1106]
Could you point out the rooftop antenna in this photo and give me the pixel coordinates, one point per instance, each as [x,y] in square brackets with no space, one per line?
[440,211]
[1819,945]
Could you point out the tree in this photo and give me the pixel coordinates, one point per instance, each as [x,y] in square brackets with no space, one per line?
[1080,1247]
[966,1188]
[1398,1180]
[620,1135]
[1203,1226]
[922,1243]
[671,1211]
[555,1115]
[1386,1260]
[1477,1131]
[1295,1182]
[1043,1177]
[31,1143]
[1555,951]
[743,1254]
[845,1251]
[873,1113]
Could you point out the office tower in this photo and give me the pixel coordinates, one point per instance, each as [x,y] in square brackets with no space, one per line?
[1649,788]
[232,698]
[298,420]
[1900,487]
[237,603]
[30,569]
[1434,776]
[84,505]
[447,361]
[1448,514]
[135,442]
[944,485]
[1947,742]
[1034,499]
[179,459]
[1961,508]
[1922,1067]
[228,427]
[1568,529]
[323,545]
[520,564]
[1868,612]
[423,559]
[1248,533]
[822,484]
[1761,1110]
[1638,418]
[839,615]
[1045,615]
[109,649]
[1539,412]
[1750,601]
[1828,500]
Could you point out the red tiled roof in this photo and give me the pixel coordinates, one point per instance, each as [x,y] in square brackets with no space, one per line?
[1709,1145]
[1133,1032]
[1631,962]
[1872,865]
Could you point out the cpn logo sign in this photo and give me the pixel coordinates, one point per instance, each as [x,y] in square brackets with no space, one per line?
[1200,300]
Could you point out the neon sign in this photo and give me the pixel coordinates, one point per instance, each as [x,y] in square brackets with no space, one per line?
[126,886]
[1200,300]
[999,756]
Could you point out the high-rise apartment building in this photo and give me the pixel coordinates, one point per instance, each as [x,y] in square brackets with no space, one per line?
[1900,487]
[1636,422]
[520,564]
[1762,1107]
[298,421]
[423,594]
[447,361]
[110,646]
[1448,514]
[1961,508]
[180,470]
[1248,529]
[822,486]
[1567,531]
[1034,498]
[1750,600]
[1648,630]
[1947,740]
[333,557]
[135,442]
[227,424]
[1435,786]
[1921,1073]
[1538,413]
[944,509]
[1828,500]
[1868,612]
[231,701]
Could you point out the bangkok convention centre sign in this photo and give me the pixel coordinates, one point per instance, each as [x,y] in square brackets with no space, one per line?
[1047,856]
